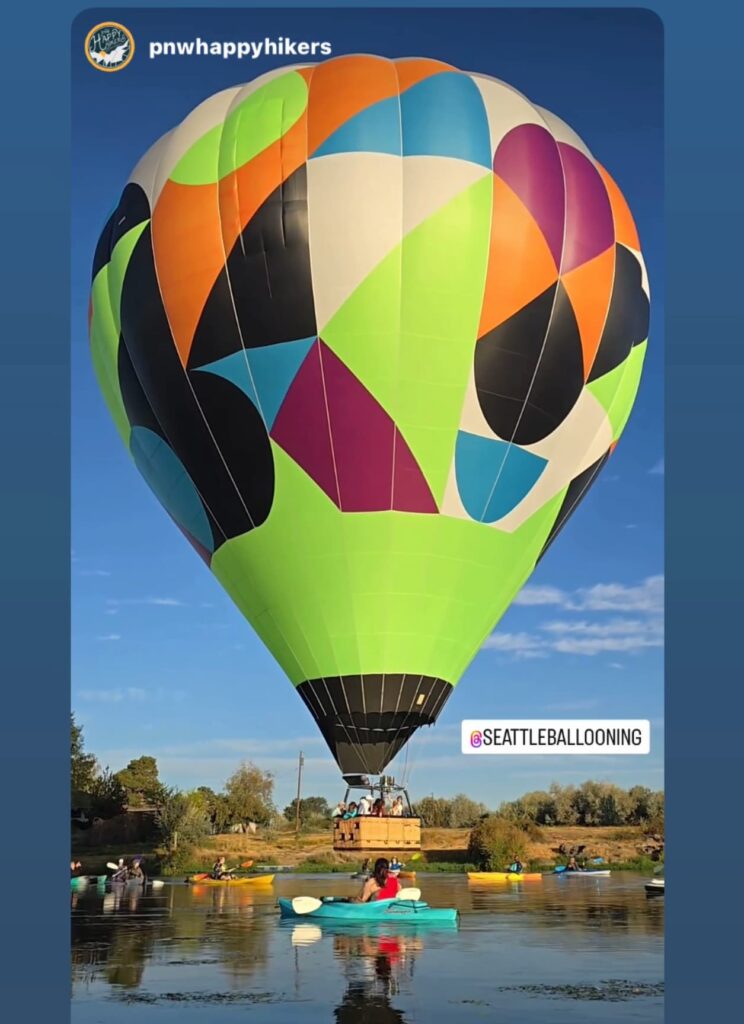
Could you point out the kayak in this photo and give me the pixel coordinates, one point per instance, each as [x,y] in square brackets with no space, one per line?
[503,876]
[583,874]
[656,885]
[254,880]
[409,911]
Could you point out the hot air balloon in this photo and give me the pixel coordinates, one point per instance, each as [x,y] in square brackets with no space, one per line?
[370,329]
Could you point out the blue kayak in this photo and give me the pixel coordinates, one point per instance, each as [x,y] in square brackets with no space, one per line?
[409,911]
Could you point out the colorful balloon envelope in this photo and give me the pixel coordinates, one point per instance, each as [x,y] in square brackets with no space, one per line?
[369,330]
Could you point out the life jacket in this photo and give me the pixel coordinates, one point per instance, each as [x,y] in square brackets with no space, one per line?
[390,889]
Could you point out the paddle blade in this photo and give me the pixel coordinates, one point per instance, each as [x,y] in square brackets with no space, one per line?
[416,856]
[559,869]
[110,864]
[157,883]
[247,864]
[409,894]
[305,904]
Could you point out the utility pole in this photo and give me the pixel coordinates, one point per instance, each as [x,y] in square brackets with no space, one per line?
[299,785]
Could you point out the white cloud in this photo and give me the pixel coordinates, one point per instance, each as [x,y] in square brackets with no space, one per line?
[94,572]
[167,602]
[657,469]
[115,696]
[647,597]
[589,637]
[522,645]
[602,645]
[616,664]
[616,627]
[134,693]
[533,595]
[109,636]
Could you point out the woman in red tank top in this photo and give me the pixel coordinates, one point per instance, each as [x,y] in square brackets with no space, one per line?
[382,885]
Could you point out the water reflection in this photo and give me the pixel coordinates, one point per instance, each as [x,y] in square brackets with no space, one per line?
[209,946]
[375,961]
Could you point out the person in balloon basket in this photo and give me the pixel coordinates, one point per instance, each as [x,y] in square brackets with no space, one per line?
[378,808]
[339,810]
[365,806]
[350,812]
[381,886]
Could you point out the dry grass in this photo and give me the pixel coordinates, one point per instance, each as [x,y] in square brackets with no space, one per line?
[437,844]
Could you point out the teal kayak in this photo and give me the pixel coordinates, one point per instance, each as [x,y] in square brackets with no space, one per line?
[409,911]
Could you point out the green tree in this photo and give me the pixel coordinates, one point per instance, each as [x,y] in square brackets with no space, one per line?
[183,819]
[249,793]
[218,808]
[563,802]
[141,782]
[312,809]
[84,767]
[464,812]
[434,812]
[108,796]
[495,842]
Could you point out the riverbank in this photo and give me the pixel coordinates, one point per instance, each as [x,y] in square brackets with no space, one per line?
[441,850]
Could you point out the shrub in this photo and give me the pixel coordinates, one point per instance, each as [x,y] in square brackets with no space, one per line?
[179,861]
[495,842]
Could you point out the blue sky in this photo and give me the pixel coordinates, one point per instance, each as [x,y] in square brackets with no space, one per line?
[162,662]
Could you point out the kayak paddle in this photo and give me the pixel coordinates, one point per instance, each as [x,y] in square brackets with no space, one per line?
[409,894]
[416,856]
[110,864]
[305,904]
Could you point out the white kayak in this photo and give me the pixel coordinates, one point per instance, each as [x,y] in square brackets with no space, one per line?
[584,874]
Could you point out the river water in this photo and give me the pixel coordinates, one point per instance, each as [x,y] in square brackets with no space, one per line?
[558,950]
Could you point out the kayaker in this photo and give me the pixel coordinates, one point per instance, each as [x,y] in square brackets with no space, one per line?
[75,865]
[137,870]
[122,872]
[381,886]
[573,865]
[516,867]
[395,865]
[351,811]
[220,869]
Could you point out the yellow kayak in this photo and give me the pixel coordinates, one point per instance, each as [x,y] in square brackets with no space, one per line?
[255,880]
[502,876]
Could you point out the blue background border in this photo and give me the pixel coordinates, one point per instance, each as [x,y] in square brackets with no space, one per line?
[704,332]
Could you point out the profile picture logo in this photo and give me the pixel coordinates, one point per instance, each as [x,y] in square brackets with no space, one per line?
[109,46]
[476,738]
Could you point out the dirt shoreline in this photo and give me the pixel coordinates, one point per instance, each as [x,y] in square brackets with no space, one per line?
[438,845]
